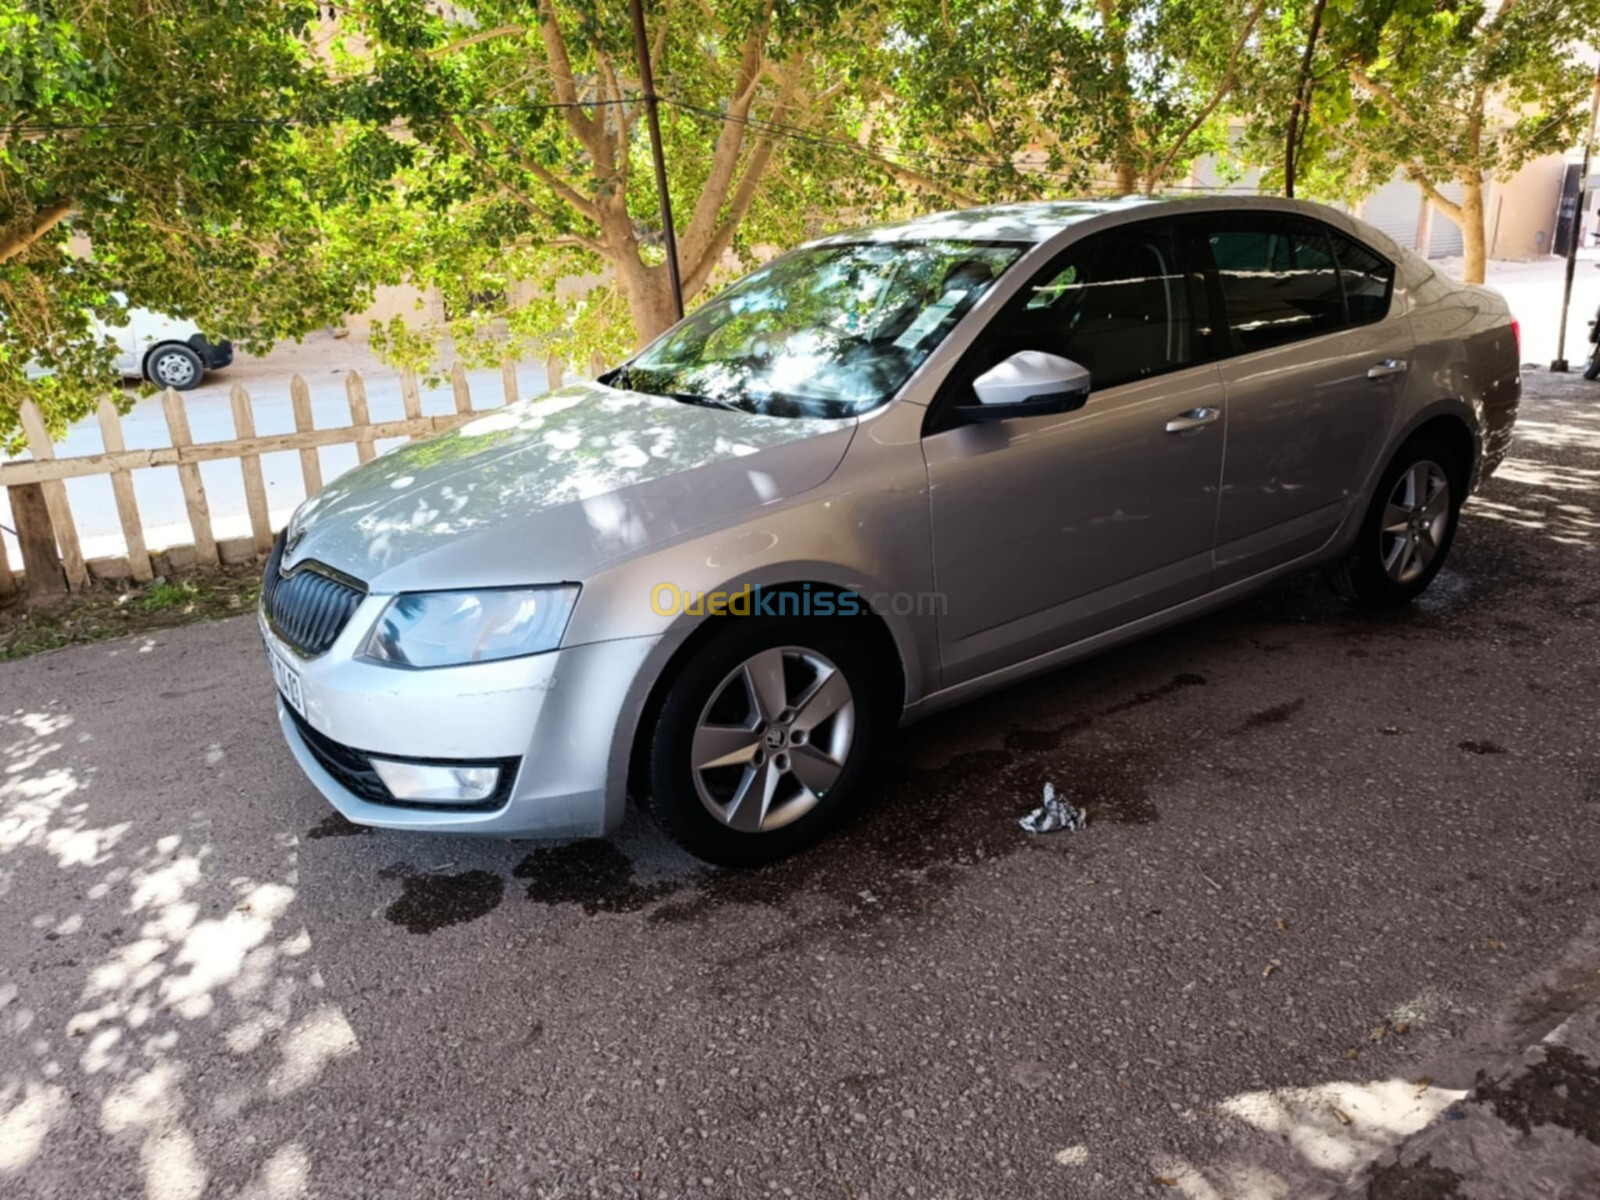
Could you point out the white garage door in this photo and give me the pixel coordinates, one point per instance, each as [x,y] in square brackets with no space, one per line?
[1396,207]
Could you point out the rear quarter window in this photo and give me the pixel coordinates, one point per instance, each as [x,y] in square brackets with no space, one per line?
[1368,280]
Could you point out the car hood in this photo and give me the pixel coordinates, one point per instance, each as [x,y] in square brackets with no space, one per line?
[549,490]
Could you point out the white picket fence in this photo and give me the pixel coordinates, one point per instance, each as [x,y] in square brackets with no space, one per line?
[67,564]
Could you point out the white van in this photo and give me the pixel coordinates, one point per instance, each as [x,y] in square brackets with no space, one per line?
[168,351]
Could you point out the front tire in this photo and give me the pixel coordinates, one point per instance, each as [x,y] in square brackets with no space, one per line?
[764,736]
[174,366]
[1591,369]
[1409,527]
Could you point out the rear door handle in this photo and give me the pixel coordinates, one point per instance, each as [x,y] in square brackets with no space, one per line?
[1193,419]
[1387,369]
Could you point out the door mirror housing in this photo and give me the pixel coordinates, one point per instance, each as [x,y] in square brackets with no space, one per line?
[1030,383]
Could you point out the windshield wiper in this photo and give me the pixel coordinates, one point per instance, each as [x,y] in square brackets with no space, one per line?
[704,401]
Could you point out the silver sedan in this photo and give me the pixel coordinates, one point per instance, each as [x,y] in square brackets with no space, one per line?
[888,472]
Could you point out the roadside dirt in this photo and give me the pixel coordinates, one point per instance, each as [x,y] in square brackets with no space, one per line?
[108,610]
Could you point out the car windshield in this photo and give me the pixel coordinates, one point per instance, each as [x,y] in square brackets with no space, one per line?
[831,331]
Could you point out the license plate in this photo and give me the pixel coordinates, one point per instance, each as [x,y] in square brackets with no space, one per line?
[288,681]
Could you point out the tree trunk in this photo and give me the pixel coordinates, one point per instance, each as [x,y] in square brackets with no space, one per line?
[1121,97]
[648,291]
[1472,231]
[1300,114]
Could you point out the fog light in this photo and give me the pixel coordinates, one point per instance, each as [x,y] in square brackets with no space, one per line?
[437,784]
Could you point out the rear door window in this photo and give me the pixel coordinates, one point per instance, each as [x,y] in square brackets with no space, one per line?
[1280,280]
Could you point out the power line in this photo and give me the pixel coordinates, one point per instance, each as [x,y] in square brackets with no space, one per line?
[882,155]
[798,133]
[296,122]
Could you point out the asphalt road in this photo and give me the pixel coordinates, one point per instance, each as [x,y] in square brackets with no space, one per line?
[1328,858]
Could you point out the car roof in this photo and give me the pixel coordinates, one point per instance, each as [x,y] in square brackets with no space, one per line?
[1039,221]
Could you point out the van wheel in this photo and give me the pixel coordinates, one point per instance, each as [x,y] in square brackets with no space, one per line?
[1409,526]
[174,366]
[763,738]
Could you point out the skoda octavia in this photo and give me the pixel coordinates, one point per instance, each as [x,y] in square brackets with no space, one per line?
[890,471]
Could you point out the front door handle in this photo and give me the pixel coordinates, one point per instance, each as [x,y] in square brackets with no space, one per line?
[1193,419]
[1387,369]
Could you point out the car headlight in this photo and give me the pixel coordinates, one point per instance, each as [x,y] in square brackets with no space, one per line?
[447,629]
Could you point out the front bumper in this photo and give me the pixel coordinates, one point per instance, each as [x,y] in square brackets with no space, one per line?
[215,355]
[557,714]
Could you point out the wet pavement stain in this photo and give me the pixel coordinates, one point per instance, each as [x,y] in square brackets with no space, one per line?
[429,902]
[1110,786]
[335,825]
[1420,1180]
[592,873]
[1474,746]
[1177,683]
[916,831]
[1563,1090]
[1036,741]
[900,850]
[1268,717]
[915,839]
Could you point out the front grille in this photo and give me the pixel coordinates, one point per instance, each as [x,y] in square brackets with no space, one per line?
[352,770]
[308,608]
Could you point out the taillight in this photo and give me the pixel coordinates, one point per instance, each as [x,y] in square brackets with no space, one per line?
[1516,335]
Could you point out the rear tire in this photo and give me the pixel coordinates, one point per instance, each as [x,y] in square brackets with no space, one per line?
[174,366]
[1591,369]
[764,736]
[1409,527]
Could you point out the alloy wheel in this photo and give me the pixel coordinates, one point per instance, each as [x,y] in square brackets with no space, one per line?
[1415,521]
[773,739]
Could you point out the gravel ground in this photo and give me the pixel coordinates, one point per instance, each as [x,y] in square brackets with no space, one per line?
[1334,864]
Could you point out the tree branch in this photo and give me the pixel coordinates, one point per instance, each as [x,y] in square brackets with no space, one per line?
[1448,207]
[44,220]
[483,36]
[564,83]
[538,170]
[749,183]
[702,225]
[1224,87]
[1397,110]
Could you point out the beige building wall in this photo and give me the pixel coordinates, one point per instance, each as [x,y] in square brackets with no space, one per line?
[419,307]
[1522,210]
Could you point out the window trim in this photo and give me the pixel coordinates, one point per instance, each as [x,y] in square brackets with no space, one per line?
[941,413]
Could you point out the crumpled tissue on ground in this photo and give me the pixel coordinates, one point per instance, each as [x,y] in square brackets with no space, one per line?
[1054,815]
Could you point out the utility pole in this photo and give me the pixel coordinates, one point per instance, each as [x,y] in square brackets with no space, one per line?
[1560,363]
[647,80]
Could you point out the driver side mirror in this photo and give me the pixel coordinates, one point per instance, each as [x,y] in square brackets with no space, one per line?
[1030,383]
